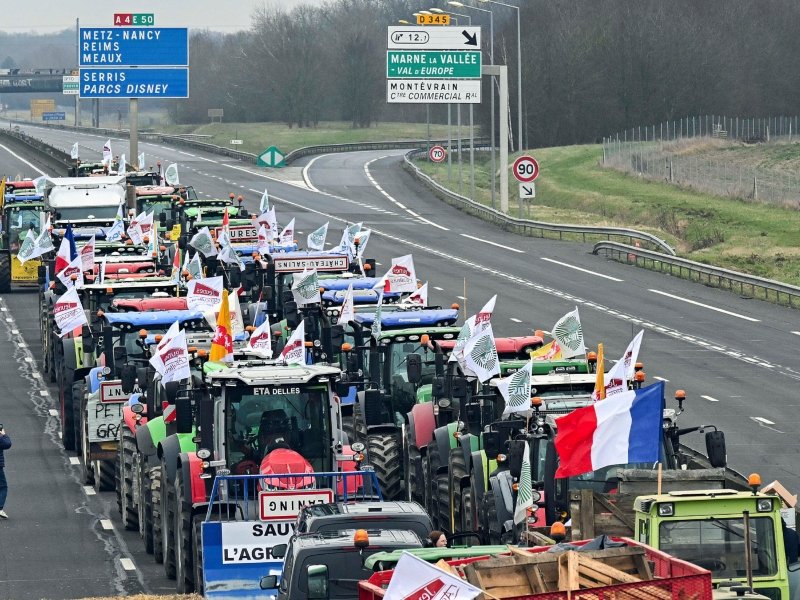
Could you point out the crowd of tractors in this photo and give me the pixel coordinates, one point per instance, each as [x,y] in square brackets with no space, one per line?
[376,408]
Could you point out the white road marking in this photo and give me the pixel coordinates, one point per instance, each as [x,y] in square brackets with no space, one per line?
[45,393]
[558,262]
[709,398]
[89,490]
[436,287]
[515,320]
[53,412]
[392,200]
[763,420]
[656,377]
[796,332]
[127,564]
[106,524]
[306,176]
[477,239]
[74,460]
[714,308]
[461,297]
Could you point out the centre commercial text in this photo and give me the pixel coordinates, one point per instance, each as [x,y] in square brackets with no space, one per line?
[427,90]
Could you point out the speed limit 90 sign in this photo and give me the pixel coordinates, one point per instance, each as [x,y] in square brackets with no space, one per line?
[526,169]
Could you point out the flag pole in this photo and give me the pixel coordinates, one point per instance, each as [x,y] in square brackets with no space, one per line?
[465,298]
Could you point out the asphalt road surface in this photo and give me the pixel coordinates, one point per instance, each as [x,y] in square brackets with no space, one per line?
[734,356]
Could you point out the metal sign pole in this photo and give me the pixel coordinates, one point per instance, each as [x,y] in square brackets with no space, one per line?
[502,71]
[471,157]
[134,132]
[449,146]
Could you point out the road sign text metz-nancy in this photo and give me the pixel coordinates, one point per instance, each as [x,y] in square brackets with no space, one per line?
[134,46]
[458,64]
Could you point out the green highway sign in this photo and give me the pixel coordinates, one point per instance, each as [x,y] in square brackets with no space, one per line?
[443,64]
[271,157]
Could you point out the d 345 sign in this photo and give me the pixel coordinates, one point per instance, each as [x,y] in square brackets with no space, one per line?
[526,169]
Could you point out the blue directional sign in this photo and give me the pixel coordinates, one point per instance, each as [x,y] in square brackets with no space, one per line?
[134,46]
[53,116]
[134,83]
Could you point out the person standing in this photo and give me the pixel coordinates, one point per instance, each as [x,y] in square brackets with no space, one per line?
[5,444]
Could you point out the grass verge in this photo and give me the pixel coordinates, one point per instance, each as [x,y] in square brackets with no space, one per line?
[573,187]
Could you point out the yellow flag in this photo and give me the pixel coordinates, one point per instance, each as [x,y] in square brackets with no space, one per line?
[551,351]
[2,192]
[222,343]
[600,382]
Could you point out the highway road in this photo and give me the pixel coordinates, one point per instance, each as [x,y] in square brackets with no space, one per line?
[734,356]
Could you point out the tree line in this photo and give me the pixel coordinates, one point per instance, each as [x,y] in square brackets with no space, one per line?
[589,67]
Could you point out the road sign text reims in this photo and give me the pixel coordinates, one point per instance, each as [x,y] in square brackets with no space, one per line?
[134,46]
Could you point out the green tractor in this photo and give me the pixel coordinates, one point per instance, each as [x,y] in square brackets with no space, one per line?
[21,212]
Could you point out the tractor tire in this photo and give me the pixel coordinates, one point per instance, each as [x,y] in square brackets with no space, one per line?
[167,522]
[104,475]
[442,502]
[184,538]
[65,398]
[197,556]
[411,460]
[456,473]
[88,466]
[78,389]
[125,470]
[490,510]
[5,272]
[432,491]
[468,516]
[383,453]
[152,509]
[354,425]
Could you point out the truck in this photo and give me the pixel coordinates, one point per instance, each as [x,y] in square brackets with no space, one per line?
[88,204]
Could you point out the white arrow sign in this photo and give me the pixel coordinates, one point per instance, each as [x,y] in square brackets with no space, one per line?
[434,38]
[527,190]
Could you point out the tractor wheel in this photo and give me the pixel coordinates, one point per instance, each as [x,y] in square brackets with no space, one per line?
[152,512]
[184,538]
[104,475]
[383,452]
[457,472]
[65,397]
[78,389]
[432,491]
[83,449]
[197,556]
[167,523]
[468,517]
[411,462]
[5,272]
[125,472]
[442,501]
[490,510]
[354,426]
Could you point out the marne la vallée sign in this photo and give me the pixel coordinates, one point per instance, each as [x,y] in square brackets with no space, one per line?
[457,64]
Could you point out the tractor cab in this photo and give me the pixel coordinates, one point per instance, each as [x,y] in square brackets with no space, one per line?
[21,212]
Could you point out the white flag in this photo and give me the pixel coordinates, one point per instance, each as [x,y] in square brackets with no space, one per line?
[347,312]
[203,242]
[316,239]
[416,579]
[260,340]
[362,238]
[525,490]
[305,287]
[263,206]
[270,221]
[287,235]
[68,312]
[107,156]
[618,376]
[294,352]
[419,297]
[145,224]
[27,248]
[74,154]
[402,276]
[171,175]
[568,333]
[347,243]
[235,310]
[174,358]
[264,238]
[204,294]
[464,335]
[73,268]
[480,355]
[195,267]
[155,360]
[114,233]
[123,167]
[133,231]
[86,254]
[43,243]
[141,161]
[484,316]
[228,256]
[516,390]
[377,325]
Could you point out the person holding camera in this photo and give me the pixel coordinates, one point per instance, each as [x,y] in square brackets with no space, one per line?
[5,444]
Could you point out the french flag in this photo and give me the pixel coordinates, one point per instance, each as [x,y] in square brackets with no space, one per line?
[625,428]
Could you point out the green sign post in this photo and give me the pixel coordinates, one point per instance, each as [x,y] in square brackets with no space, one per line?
[431,64]
[271,157]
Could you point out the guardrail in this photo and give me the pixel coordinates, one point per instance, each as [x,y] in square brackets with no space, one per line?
[53,155]
[526,226]
[389,145]
[759,287]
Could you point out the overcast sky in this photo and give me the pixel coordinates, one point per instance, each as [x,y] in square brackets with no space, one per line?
[54,15]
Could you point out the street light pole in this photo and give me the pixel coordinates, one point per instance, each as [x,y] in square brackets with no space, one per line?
[519,69]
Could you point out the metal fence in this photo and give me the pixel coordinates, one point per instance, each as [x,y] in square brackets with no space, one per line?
[699,153]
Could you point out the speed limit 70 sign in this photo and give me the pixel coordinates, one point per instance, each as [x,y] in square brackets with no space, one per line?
[526,169]
[437,154]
